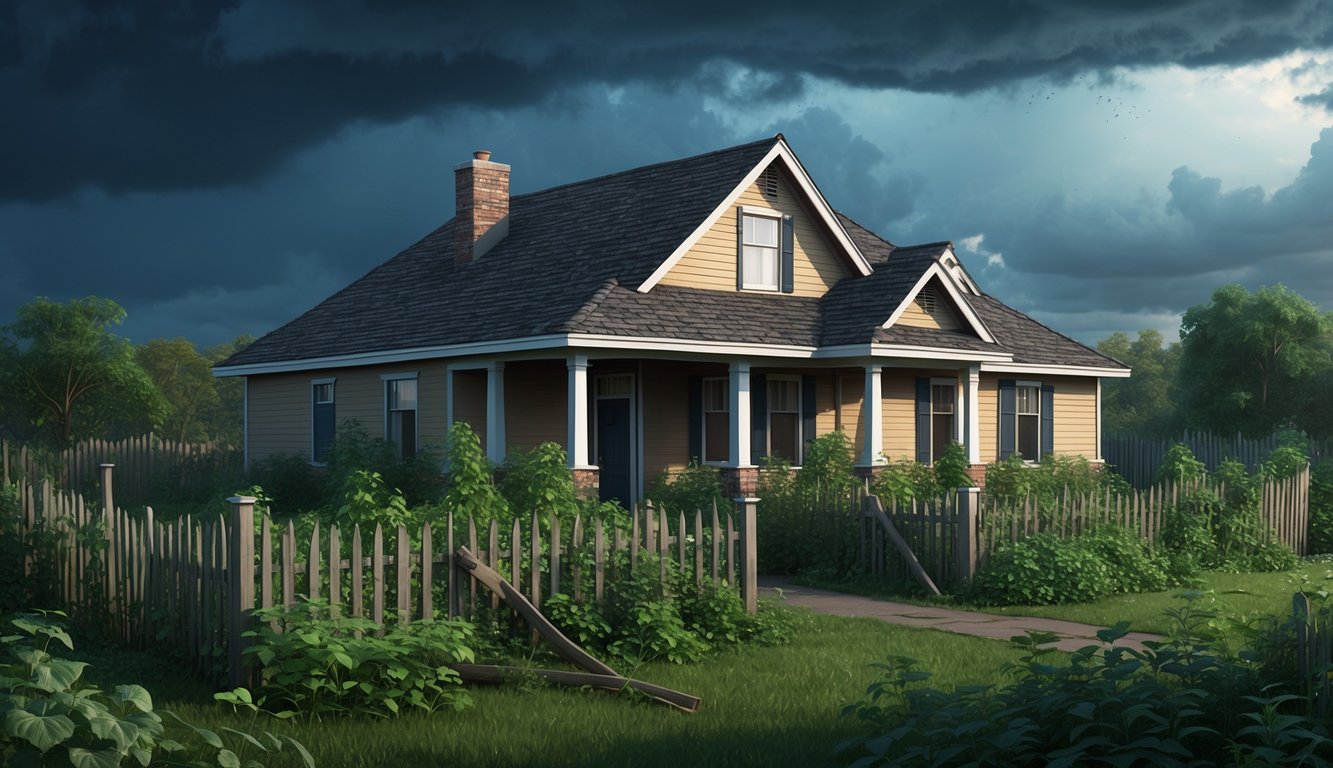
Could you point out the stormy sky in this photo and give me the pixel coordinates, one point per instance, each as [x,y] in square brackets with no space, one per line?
[219,167]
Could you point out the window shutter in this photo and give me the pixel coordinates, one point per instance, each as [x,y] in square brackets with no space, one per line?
[740,250]
[323,432]
[758,417]
[696,425]
[1008,417]
[923,420]
[788,280]
[808,411]
[1047,419]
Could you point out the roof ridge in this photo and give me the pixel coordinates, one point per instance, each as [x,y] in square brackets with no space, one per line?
[640,168]
[868,230]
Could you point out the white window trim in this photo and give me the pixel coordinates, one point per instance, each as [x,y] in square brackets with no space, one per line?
[799,460]
[333,382]
[385,378]
[766,213]
[703,416]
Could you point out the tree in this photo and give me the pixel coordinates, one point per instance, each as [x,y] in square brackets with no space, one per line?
[226,420]
[185,379]
[69,377]
[1143,404]
[1247,359]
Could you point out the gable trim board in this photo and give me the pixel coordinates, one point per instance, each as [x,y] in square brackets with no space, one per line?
[1055,370]
[937,270]
[821,207]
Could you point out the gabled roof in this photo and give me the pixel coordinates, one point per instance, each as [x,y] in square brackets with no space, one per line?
[574,261]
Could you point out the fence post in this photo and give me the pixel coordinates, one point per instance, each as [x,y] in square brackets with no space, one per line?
[749,573]
[108,515]
[969,508]
[241,595]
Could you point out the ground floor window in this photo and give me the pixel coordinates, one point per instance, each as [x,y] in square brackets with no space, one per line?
[1027,419]
[943,407]
[784,418]
[716,420]
[322,424]
[401,416]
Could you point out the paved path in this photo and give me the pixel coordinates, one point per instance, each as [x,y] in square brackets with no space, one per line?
[1072,634]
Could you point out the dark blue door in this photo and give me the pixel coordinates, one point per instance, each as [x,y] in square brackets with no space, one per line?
[613,449]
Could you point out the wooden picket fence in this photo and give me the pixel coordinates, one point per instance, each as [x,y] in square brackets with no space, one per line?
[952,537]
[193,583]
[137,459]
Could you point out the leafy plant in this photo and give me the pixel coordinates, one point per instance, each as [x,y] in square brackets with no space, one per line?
[695,487]
[1043,569]
[319,663]
[539,481]
[1178,465]
[470,489]
[366,500]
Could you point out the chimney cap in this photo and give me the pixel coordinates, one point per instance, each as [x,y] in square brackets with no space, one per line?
[482,154]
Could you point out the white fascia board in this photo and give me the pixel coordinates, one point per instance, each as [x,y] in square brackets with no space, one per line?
[963,275]
[730,348]
[936,269]
[900,351]
[817,201]
[1056,370]
[550,341]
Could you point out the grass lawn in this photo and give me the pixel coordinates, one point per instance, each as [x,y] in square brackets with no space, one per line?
[761,706]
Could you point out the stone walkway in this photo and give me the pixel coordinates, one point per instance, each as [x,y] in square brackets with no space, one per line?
[1072,634]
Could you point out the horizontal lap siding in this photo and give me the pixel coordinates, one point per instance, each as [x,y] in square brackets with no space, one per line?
[988,415]
[1075,416]
[826,406]
[470,400]
[536,408]
[944,318]
[278,415]
[666,410]
[711,263]
[898,390]
[852,389]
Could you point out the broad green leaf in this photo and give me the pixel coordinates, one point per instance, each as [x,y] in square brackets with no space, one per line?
[247,737]
[57,675]
[228,759]
[300,748]
[136,695]
[43,732]
[87,758]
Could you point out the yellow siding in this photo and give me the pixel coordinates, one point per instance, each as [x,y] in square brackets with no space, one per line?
[852,388]
[945,316]
[536,408]
[711,263]
[826,407]
[666,408]
[279,406]
[470,400]
[1076,416]
[988,415]
[898,391]
[279,415]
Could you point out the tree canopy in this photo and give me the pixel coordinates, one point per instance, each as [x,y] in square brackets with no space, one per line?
[67,376]
[1143,404]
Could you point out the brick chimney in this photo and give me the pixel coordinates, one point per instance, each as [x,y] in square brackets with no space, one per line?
[481,200]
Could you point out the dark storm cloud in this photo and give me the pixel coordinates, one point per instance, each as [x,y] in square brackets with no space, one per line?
[157,96]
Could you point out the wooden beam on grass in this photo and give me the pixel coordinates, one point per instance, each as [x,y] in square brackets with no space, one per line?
[489,673]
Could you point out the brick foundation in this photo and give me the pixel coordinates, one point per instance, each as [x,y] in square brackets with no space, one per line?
[587,483]
[978,474]
[739,481]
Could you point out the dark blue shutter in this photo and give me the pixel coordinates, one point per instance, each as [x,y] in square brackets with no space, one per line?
[323,432]
[788,259]
[1008,417]
[923,420]
[696,426]
[740,250]
[1047,419]
[807,413]
[758,417]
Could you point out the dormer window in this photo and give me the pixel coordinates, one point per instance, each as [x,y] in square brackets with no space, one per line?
[764,250]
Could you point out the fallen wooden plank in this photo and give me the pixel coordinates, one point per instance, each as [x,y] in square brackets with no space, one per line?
[490,673]
[876,512]
[564,647]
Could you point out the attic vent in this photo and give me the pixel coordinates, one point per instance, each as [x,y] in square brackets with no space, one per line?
[926,300]
[768,183]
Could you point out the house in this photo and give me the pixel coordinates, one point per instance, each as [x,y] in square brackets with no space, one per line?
[715,307]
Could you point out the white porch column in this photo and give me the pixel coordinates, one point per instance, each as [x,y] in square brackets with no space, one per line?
[739,454]
[578,412]
[972,413]
[872,418]
[495,412]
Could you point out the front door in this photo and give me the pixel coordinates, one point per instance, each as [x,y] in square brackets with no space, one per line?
[615,437]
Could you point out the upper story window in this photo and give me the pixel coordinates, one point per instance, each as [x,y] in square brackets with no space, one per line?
[760,241]
[400,415]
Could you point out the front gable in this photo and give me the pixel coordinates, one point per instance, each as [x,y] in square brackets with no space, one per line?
[777,186]
[937,301]
[712,261]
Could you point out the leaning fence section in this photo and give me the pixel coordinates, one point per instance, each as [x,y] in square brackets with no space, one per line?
[192,583]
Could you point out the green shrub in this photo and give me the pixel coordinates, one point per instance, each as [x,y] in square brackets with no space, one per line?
[694,487]
[470,489]
[1178,465]
[1043,569]
[293,484]
[1179,703]
[1321,508]
[13,583]
[367,501]
[319,662]
[1186,537]
[810,519]
[902,481]
[539,481]
[1132,562]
